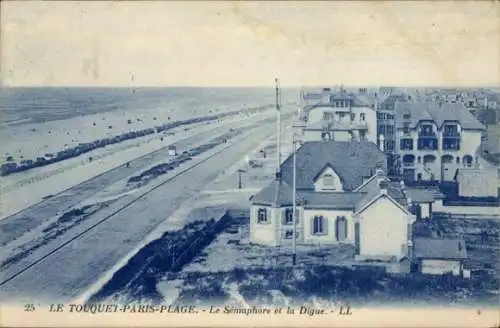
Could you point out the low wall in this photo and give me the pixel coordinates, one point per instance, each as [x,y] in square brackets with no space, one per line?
[467,210]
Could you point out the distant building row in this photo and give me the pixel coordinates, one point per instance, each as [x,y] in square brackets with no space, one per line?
[423,140]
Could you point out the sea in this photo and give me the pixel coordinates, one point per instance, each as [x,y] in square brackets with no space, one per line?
[22,105]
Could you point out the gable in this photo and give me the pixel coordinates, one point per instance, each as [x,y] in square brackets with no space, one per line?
[328,180]
[387,202]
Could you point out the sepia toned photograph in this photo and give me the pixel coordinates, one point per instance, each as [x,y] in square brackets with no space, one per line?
[250,163]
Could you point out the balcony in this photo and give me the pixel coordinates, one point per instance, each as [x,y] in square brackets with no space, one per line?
[451,135]
[427,143]
[406,145]
[451,144]
[426,134]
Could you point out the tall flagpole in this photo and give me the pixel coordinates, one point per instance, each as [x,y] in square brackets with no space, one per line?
[278,127]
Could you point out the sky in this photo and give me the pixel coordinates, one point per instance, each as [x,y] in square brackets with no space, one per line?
[249,43]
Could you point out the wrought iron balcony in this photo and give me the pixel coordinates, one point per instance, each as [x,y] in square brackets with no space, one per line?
[426,134]
[451,134]
[452,144]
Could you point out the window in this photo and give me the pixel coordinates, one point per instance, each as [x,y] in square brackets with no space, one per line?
[390,130]
[406,128]
[327,116]
[353,116]
[467,161]
[419,159]
[319,225]
[458,160]
[451,131]
[427,143]
[341,115]
[288,219]
[406,116]
[262,215]
[362,117]
[289,234]
[451,144]
[341,228]
[329,181]
[406,144]
[326,136]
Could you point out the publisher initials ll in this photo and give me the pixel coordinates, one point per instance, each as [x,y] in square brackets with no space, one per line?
[345,310]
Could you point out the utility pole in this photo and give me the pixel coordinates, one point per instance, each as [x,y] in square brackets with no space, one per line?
[278,127]
[294,202]
[239,178]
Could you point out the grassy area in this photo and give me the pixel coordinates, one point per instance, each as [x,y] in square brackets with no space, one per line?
[295,286]
[231,270]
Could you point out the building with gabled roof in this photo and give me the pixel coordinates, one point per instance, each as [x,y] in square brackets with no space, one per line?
[434,140]
[439,256]
[342,196]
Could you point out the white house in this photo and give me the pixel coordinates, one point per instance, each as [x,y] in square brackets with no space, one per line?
[342,195]
[338,115]
[439,256]
[434,140]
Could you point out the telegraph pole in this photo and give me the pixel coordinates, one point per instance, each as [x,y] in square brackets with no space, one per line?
[294,202]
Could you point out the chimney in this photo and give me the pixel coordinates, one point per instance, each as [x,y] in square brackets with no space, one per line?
[381,143]
[383,184]
[402,184]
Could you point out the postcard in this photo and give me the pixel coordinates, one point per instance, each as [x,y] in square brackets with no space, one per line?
[241,163]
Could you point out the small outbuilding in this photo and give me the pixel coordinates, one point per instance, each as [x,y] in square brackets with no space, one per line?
[439,256]
[423,199]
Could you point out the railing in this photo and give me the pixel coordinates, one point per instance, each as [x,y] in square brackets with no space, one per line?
[452,146]
[427,134]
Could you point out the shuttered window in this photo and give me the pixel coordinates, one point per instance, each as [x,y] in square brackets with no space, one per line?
[319,227]
[288,217]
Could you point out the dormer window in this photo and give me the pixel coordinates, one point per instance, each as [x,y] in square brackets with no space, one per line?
[328,181]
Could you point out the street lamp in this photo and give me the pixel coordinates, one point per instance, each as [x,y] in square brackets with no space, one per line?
[239,177]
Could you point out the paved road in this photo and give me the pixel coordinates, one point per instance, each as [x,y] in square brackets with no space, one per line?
[67,272]
[32,217]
